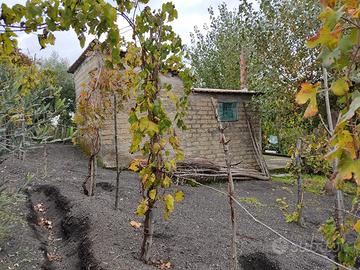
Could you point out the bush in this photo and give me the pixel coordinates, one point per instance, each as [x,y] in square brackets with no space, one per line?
[313,152]
[29,103]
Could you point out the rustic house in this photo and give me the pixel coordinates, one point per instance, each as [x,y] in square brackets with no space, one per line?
[201,140]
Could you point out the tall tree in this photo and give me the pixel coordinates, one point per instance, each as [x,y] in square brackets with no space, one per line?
[278,60]
[59,67]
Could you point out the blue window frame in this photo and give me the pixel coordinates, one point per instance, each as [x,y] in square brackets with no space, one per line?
[228,111]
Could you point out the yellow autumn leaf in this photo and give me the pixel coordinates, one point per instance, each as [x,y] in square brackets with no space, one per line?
[142,208]
[357,226]
[135,164]
[166,182]
[179,196]
[308,93]
[152,194]
[169,202]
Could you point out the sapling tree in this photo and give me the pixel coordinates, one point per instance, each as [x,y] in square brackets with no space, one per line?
[339,41]
[153,129]
[96,103]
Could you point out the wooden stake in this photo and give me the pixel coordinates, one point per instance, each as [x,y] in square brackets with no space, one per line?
[339,199]
[300,191]
[117,155]
[223,140]
[243,72]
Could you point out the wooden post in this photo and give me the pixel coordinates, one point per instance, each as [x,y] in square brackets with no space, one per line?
[116,154]
[339,198]
[225,143]
[300,191]
[243,72]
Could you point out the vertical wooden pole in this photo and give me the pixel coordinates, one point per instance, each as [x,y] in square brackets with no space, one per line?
[300,191]
[225,143]
[116,155]
[243,71]
[339,198]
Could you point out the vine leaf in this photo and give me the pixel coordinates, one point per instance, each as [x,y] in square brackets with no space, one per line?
[152,194]
[142,208]
[340,87]
[179,196]
[308,93]
[357,226]
[347,167]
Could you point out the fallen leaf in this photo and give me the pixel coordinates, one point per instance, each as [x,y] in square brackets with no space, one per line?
[135,224]
[43,222]
[165,265]
[40,207]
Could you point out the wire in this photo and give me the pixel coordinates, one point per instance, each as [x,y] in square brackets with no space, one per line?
[269,228]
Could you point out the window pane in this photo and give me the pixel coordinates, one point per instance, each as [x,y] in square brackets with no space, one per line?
[228,111]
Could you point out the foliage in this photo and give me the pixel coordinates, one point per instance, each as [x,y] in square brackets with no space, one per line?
[273,38]
[94,106]
[289,216]
[29,102]
[313,153]
[151,125]
[338,39]
[347,252]
[313,183]
[63,79]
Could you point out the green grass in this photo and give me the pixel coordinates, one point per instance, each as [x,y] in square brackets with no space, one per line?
[313,183]
[252,201]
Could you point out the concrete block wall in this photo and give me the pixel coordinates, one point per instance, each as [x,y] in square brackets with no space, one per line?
[203,139]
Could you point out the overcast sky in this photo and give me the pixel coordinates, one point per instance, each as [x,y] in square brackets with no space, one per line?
[190,13]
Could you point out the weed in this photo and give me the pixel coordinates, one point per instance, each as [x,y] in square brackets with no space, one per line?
[252,201]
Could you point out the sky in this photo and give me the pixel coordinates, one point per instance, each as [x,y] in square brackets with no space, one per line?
[190,13]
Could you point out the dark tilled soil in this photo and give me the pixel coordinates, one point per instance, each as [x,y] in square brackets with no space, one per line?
[87,233]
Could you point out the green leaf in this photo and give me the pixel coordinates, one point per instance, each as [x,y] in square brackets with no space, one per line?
[50,39]
[340,87]
[82,40]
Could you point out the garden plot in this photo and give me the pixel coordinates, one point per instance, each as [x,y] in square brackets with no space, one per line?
[80,232]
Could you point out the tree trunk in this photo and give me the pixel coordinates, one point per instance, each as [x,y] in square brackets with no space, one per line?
[89,184]
[148,234]
[225,143]
[339,199]
[300,191]
[116,155]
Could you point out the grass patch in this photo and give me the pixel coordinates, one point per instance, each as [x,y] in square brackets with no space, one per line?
[284,179]
[251,201]
[313,183]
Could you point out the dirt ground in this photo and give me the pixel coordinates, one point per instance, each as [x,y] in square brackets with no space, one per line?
[68,230]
